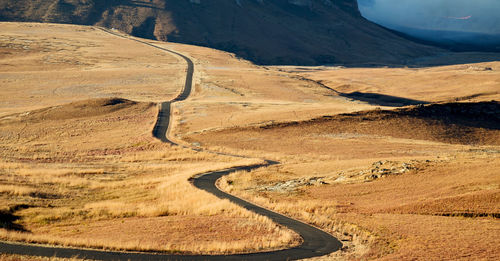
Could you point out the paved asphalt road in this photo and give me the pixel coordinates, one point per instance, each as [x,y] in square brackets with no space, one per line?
[315,241]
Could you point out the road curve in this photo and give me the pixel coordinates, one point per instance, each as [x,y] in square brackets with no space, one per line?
[315,241]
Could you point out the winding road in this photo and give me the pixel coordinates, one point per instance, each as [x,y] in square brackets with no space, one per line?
[315,241]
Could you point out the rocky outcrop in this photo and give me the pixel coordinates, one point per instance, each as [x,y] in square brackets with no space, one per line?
[292,185]
[379,169]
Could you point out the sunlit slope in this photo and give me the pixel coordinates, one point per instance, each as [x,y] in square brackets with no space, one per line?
[44,65]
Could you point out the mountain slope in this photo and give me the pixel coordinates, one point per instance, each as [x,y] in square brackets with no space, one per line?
[306,32]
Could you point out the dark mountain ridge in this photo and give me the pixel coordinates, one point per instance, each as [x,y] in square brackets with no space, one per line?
[305,32]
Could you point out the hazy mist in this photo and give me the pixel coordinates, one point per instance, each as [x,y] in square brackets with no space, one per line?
[417,17]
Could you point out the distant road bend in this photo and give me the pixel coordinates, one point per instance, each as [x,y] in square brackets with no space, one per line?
[315,241]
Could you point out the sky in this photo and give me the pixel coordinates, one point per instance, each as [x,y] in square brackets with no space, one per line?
[471,16]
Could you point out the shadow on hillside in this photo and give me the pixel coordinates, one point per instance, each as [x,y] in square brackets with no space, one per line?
[381,99]
[237,30]
[7,219]
[484,115]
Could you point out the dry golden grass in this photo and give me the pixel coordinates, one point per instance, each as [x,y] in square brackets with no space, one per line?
[460,123]
[118,176]
[13,190]
[6,257]
[231,92]
[43,65]
[68,169]
[234,99]
[400,216]
[190,234]
[234,93]
[467,82]
[453,175]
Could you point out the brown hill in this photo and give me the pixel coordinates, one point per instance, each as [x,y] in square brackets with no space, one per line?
[453,123]
[79,109]
[459,123]
[267,32]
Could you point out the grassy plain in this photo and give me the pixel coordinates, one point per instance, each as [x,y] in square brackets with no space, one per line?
[415,183]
